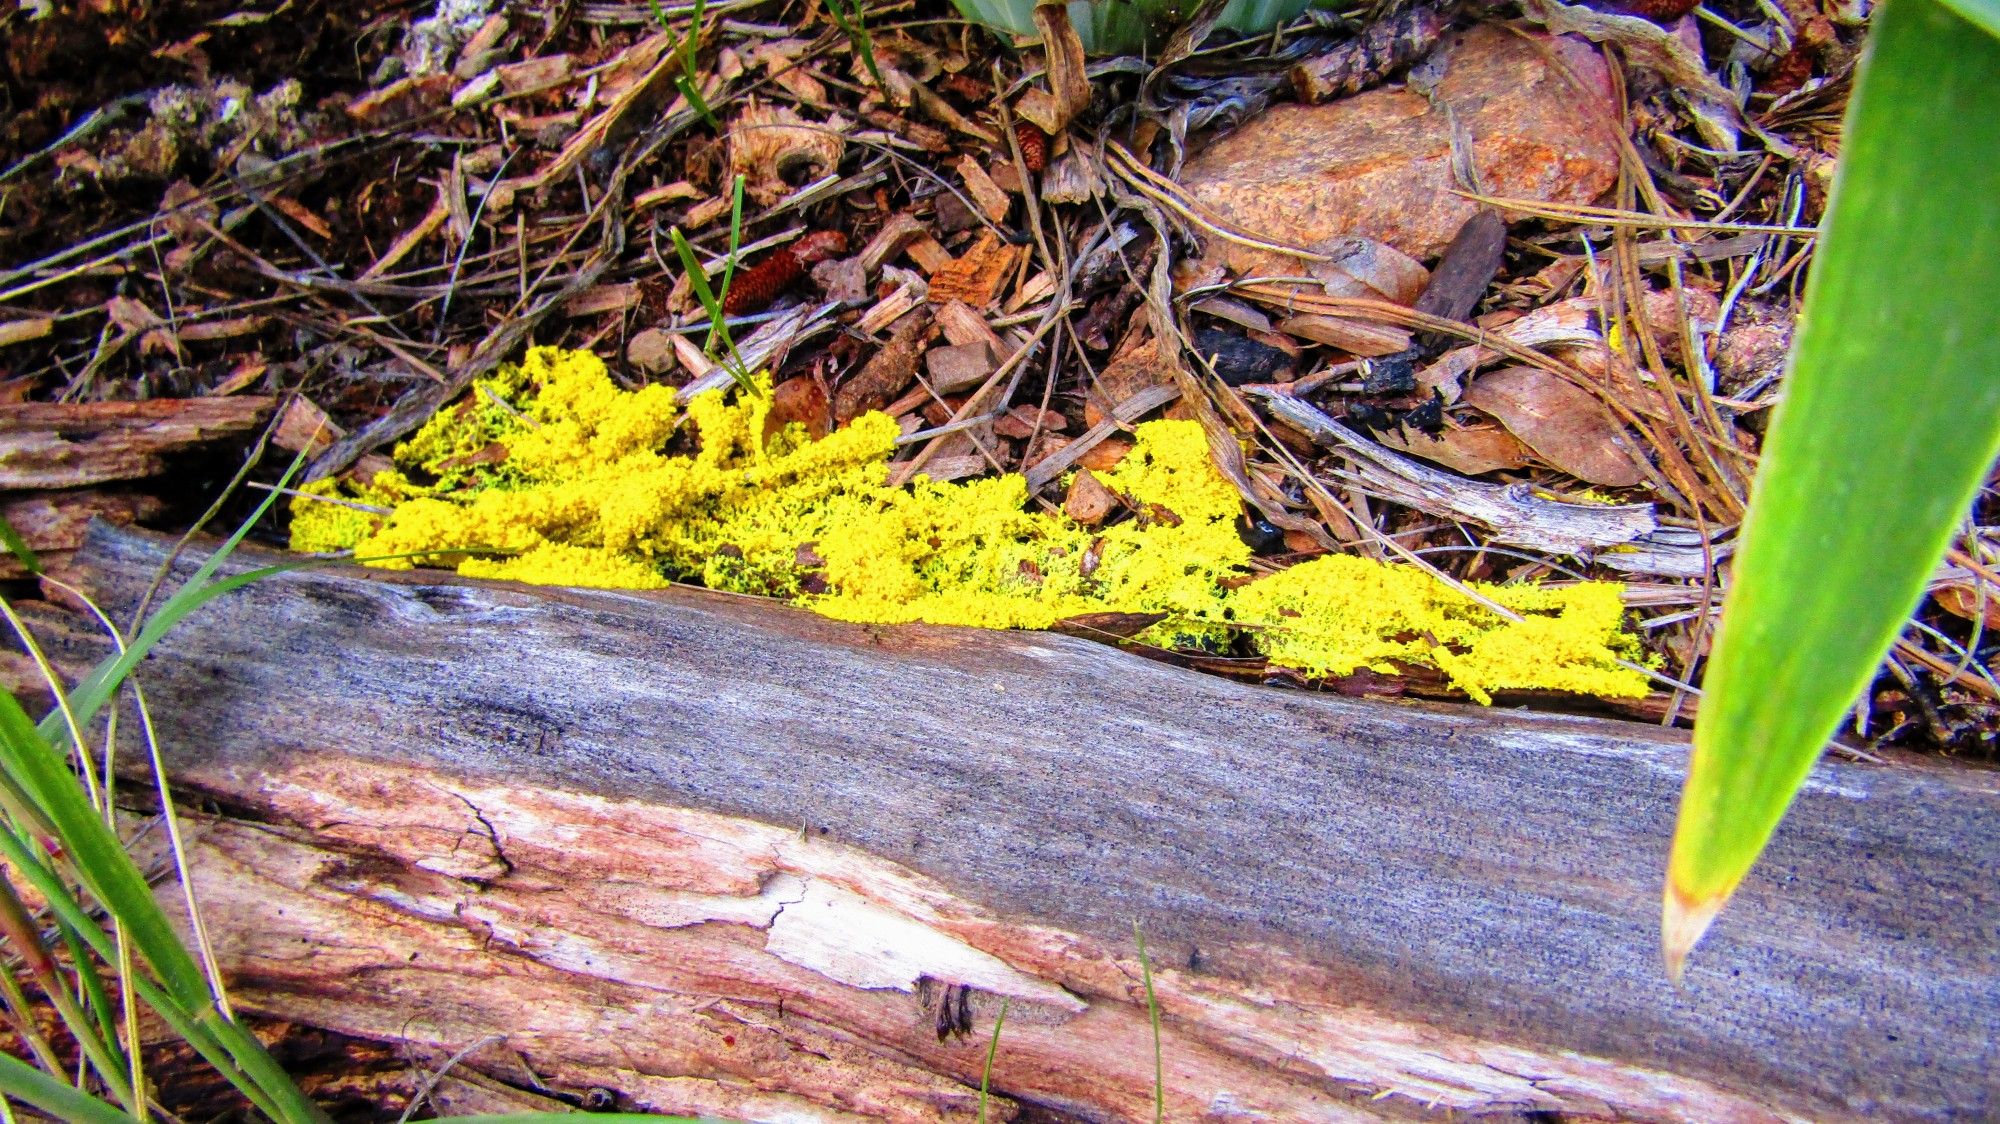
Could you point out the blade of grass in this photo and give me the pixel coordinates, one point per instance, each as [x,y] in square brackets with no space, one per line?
[718,325]
[992,1050]
[25,1083]
[1984,13]
[1153,1013]
[18,547]
[1890,421]
[853,25]
[25,858]
[735,238]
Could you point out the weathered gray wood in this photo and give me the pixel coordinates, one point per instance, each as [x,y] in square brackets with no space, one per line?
[1491,873]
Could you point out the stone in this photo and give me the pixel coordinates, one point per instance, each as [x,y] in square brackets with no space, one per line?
[651,350]
[1379,165]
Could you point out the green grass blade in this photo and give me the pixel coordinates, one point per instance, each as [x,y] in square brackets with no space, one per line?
[718,324]
[854,25]
[735,237]
[1153,1012]
[992,1051]
[593,1117]
[1890,420]
[18,547]
[27,1084]
[1984,13]
[102,865]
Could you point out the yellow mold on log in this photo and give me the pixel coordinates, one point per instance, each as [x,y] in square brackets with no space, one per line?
[550,473]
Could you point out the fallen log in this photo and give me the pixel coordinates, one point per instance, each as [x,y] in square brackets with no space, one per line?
[696,852]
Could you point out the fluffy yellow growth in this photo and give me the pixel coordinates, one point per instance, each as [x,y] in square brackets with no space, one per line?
[551,473]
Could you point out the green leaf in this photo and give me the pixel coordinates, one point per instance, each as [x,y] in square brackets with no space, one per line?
[718,324]
[594,1118]
[853,23]
[1890,421]
[29,1085]
[1985,13]
[18,547]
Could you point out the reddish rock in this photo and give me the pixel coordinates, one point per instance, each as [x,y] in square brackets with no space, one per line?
[1379,165]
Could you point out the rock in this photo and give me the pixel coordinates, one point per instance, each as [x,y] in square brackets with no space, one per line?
[651,351]
[1379,164]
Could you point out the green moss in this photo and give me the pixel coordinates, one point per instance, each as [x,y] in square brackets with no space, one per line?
[564,478]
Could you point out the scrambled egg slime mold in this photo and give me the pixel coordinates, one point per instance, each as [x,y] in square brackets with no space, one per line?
[562,477]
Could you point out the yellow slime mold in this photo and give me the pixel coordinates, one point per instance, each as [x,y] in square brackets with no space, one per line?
[558,476]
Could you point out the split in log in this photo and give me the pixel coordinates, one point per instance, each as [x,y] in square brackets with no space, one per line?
[724,856]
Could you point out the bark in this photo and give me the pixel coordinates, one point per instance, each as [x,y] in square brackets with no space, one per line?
[72,444]
[720,855]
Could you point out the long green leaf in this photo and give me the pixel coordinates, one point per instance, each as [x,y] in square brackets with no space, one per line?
[1985,13]
[595,1119]
[1890,420]
[25,1083]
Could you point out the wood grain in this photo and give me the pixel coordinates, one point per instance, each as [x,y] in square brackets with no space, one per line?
[72,444]
[1347,899]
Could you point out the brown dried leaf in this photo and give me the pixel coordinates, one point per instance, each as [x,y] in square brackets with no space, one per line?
[1962,599]
[960,367]
[1472,450]
[1564,424]
[1352,336]
[1069,87]
[1363,267]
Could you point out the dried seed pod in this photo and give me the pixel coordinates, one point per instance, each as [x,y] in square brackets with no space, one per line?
[759,285]
[1034,146]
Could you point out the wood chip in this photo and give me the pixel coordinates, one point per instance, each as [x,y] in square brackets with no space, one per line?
[976,276]
[305,428]
[72,444]
[599,299]
[928,253]
[991,199]
[1089,502]
[21,331]
[960,367]
[901,229]
[887,372]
